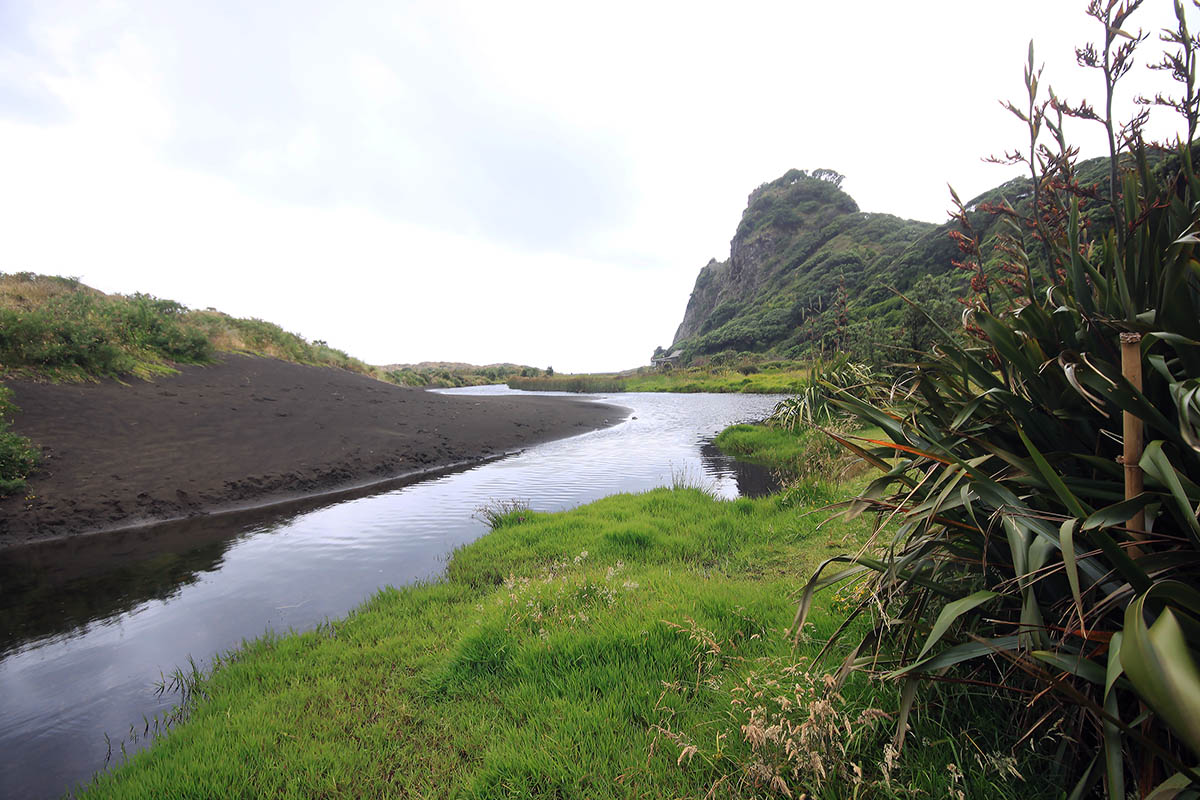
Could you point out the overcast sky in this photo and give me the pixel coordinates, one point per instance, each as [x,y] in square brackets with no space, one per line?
[482,182]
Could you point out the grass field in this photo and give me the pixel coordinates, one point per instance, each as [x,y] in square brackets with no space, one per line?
[633,647]
[769,380]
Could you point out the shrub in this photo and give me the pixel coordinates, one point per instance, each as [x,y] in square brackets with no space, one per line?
[18,456]
[1024,561]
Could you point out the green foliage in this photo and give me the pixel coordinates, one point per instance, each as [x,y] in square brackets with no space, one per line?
[779,291]
[811,406]
[611,651]
[800,244]
[60,329]
[931,312]
[793,201]
[1023,561]
[258,337]
[549,382]
[447,375]
[80,334]
[725,373]
[802,456]
[18,456]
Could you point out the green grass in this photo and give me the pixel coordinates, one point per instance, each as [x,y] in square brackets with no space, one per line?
[752,380]
[18,456]
[781,450]
[592,384]
[59,329]
[445,375]
[614,650]
[807,456]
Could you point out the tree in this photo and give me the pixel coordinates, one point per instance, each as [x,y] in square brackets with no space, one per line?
[829,176]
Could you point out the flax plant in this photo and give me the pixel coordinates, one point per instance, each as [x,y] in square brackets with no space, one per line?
[1018,561]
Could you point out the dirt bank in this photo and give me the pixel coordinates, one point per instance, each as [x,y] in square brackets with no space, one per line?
[248,431]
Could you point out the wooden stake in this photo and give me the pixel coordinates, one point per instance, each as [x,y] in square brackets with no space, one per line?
[1131,368]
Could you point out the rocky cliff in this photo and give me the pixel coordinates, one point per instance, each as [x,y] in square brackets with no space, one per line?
[809,273]
[802,243]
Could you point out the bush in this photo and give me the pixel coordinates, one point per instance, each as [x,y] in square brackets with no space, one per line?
[1024,560]
[18,457]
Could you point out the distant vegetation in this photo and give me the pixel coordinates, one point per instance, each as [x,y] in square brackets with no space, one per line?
[571,383]
[443,374]
[750,375]
[810,276]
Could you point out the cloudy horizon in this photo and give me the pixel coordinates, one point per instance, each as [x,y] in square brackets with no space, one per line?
[533,182]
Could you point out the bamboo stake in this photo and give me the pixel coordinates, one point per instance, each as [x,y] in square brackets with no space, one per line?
[1131,368]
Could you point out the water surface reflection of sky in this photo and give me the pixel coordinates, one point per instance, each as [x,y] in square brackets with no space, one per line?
[87,626]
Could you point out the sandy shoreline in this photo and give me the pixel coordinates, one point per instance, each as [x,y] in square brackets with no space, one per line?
[249,432]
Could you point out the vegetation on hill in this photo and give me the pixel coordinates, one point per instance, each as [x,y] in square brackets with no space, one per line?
[447,374]
[18,456]
[801,251]
[60,329]
[809,275]
[748,374]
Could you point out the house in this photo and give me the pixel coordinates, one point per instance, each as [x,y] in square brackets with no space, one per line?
[663,363]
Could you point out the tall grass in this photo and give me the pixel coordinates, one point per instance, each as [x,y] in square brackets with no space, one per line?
[593,384]
[56,327]
[18,456]
[748,378]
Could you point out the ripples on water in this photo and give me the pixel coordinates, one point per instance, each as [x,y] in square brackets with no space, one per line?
[88,625]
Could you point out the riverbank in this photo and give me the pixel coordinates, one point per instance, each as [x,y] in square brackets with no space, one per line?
[248,431]
[751,379]
[632,647]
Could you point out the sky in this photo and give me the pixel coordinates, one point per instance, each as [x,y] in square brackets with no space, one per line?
[532,182]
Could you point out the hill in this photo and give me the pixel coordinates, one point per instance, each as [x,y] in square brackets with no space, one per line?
[809,273]
[60,329]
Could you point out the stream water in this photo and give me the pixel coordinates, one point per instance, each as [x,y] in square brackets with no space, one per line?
[89,626]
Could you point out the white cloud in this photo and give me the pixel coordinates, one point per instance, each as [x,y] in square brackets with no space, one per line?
[528,181]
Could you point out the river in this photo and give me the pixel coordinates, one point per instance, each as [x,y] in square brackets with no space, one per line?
[90,625]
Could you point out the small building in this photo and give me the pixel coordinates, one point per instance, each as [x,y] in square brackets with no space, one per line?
[663,363]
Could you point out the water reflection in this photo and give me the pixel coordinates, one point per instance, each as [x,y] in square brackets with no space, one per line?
[87,625]
[753,480]
[61,586]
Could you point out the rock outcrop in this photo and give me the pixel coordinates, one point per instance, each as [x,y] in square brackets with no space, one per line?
[801,241]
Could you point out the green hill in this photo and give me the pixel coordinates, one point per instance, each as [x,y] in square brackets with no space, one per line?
[809,273]
[61,329]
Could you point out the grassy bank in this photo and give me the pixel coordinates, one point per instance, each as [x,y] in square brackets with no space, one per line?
[446,375]
[18,456]
[805,455]
[753,380]
[59,329]
[633,647]
[781,450]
